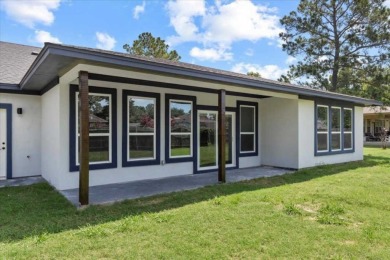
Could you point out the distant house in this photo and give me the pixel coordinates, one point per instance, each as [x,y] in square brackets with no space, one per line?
[375,118]
[132,135]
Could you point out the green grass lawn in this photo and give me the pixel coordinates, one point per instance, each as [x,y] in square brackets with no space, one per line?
[339,211]
[180,151]
[208,156]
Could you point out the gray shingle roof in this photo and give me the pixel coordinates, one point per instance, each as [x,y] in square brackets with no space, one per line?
[15,59]
[202,69]
[18,67]
[180,64]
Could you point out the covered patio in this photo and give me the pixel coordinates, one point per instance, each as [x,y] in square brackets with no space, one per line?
[111,193]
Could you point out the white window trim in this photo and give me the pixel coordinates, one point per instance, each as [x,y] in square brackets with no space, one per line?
[188,133]
[216,141]
[109,134]
[248,133]
[348,132]
[327,129]
[337,132]
[141,134]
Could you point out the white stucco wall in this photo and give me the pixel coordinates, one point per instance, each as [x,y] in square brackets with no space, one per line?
[306,153]
[56,165]
[279,132]
[26,134]
[51,135]
[286,130]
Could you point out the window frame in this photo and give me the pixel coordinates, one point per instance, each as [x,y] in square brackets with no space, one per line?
[254,105]
[325,133]
[142,134]
[73,128]
[341,124]
[126,162]
[329,132]
[168,134]
[95,134]
[348,132]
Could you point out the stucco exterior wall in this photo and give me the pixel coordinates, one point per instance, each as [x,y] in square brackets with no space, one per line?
[50,135]
[285,138]
[60,176]
[26,137]
[279,132]
[306,132]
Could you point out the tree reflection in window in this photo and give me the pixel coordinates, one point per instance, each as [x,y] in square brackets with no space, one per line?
[141,127]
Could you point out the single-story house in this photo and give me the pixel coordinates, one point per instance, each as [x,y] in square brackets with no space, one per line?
[374,119]
[133,99]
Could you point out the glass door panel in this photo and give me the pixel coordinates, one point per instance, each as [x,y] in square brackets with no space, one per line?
[208,135]
[208,139]
[229,139]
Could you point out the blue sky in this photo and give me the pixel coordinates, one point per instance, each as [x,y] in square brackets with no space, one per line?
[236,35]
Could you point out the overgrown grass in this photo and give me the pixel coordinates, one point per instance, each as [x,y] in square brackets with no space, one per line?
[338,211]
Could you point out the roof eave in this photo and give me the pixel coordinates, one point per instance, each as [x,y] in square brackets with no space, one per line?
[82,54]
[34,66]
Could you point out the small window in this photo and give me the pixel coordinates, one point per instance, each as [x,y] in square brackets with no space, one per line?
[336,128]
[248,128]
[348,138]
[99,128]
[102,128]
[322,128]
[180,122]
[180,128]
[141,128]
[141,133]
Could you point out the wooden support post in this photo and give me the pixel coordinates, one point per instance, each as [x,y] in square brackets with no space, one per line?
[84,138]
[221,136]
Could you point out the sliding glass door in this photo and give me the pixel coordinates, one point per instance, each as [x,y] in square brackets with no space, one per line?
[208,139]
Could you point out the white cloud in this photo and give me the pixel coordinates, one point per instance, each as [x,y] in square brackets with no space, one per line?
[290,60]
[218,26]
[211,54]
[267,71]
[182,15]
[31,12]
[105,41]
[139,9]
[241,20]
[249,52]
[387,3]
[43,36]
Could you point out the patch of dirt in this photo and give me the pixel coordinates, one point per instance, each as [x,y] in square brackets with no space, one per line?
[279,207]
[356,225]
[348,242]
[151,201]
[311,218]
[309,208]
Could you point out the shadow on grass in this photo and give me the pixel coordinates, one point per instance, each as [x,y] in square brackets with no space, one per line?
[38,209]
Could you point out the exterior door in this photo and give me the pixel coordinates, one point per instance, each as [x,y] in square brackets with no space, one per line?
[3,147]
[208,140]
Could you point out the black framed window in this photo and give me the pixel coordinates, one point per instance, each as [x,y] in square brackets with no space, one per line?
[347,131]
[322,128]
[141,128]
[180,123]
[248,128]
[334,129]
[102,128]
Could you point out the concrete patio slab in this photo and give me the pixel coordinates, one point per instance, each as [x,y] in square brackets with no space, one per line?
[23,181]
[106,194]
